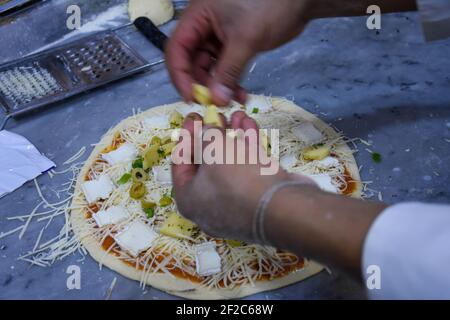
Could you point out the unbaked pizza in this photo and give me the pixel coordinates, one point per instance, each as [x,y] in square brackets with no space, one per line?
[124,212]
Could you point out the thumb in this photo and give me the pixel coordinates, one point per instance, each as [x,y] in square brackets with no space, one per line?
[229,69]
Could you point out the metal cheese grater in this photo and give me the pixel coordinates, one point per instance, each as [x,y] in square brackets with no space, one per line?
[64,71]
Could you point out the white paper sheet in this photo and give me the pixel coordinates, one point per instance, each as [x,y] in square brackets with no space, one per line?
[20,162]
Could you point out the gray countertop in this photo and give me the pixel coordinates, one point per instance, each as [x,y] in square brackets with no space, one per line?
[387,87]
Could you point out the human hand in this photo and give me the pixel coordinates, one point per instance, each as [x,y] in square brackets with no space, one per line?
[222,198]
[214,41]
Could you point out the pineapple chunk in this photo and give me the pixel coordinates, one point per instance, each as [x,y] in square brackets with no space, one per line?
[201,94]
[212,116]
[176,120]
[168,148]
[166,140]
[316,152]
[151,157]
[176,226]
[155,141]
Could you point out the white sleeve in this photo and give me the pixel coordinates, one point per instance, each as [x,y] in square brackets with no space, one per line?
[410,243]
[435,15]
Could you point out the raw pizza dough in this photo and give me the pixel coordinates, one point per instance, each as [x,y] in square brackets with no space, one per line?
[180,286]
[158,11]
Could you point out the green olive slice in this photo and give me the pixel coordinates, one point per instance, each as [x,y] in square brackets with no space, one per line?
[137,190]
[139,175]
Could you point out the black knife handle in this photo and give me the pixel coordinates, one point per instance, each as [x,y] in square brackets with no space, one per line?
[151,32]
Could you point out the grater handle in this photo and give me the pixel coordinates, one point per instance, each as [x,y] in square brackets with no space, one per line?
[151,32]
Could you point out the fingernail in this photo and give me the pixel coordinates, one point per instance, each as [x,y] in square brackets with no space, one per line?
[222,92]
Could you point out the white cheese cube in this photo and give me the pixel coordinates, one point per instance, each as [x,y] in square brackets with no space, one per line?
[112,215]
[97,189]
[125,153]
[175,135]
[288,161]
[154,196]
[327,163]
[136,237]
[207,260]
[162,175]
[157,122]
[324,182]
[262,104]
[308,133]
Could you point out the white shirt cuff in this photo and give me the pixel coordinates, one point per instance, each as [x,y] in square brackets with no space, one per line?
[409,244]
